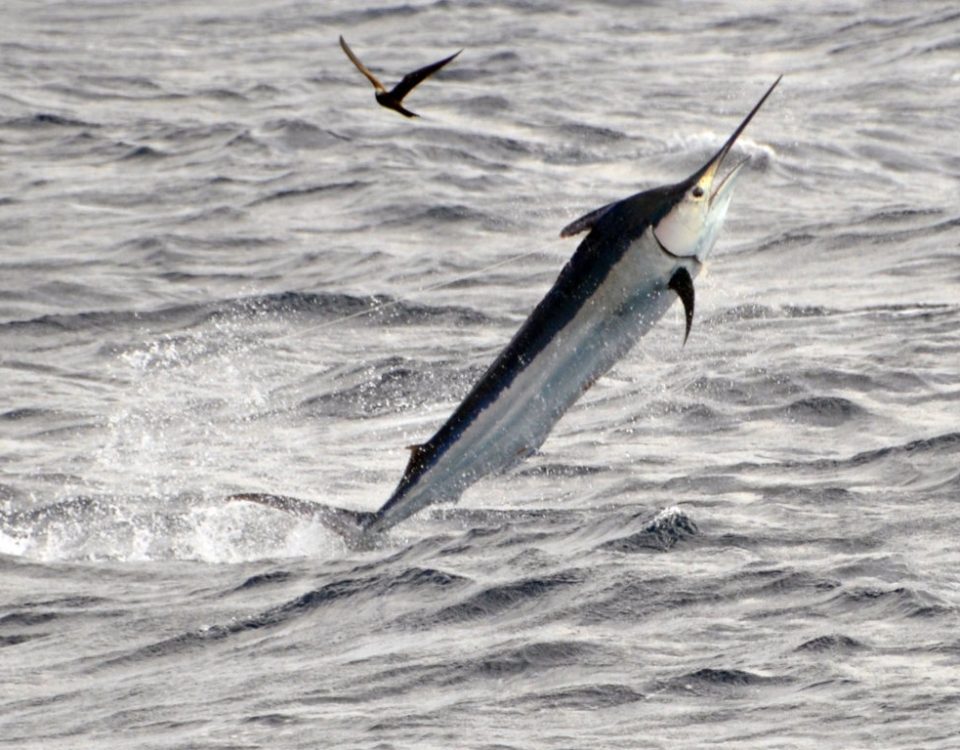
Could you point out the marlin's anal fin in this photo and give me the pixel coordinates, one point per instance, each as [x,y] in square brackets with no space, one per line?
[417,455]
[682,284]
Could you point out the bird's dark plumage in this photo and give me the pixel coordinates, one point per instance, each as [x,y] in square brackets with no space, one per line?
[393,98]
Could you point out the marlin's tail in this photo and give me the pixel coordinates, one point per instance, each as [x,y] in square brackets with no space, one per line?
[352,525]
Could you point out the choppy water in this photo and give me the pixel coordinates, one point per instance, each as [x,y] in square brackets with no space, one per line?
[750,541]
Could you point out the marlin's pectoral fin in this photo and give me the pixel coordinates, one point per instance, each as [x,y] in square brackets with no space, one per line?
[586,221]
[682,284]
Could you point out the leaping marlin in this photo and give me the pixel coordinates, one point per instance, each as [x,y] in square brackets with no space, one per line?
[641,254]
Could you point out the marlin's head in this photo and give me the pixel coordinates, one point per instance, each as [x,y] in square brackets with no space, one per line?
[698,205]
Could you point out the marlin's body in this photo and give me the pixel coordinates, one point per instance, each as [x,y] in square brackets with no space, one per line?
[609,295]
[640,255]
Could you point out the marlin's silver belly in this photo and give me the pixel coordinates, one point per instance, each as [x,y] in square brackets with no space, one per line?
[631,299]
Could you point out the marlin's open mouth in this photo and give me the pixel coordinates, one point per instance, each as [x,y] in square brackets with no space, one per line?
[728,179]
[707,176]
[690,228]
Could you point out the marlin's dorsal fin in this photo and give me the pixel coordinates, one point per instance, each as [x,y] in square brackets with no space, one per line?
[586,221]
[682,283]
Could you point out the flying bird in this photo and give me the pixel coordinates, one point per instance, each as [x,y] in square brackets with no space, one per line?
[393,99]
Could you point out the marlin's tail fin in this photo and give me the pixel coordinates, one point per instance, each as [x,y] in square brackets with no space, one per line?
[350,524]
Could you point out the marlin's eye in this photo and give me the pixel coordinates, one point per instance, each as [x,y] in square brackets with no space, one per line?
[698,192]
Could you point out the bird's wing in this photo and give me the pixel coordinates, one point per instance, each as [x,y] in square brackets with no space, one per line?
[412,79]
[361,67]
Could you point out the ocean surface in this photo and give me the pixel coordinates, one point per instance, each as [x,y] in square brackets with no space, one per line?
[224,268]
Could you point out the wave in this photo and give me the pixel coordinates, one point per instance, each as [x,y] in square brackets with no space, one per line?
[588,697]
[264,579]
[484,105]
[633,597]
[753,311]
[530,658]
[821,411]
[836,643]
[300,134]
[27,619]
[18,638]
[389,386]
[512,597]
[890,603]
[45,120]
[310,191]
[670,527]
[140,83]
[219,94]
[36,620]
[351,18]
[558,470]
[378,309]
[143,153]
[712,681]
[945,444]
[887,226]
[27,521]
[360,591]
